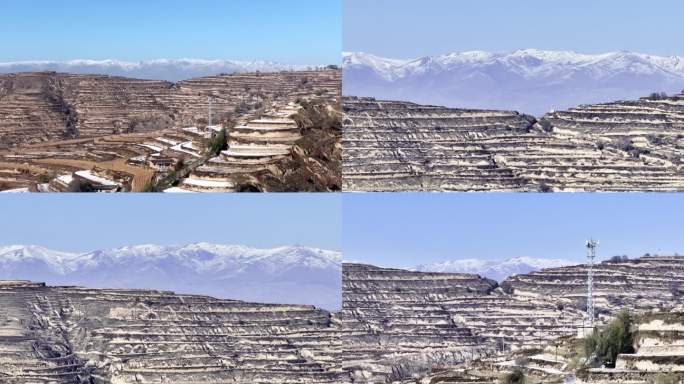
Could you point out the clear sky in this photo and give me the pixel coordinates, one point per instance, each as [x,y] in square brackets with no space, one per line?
[407,229]
[288,31]
[84,222]
[410,28]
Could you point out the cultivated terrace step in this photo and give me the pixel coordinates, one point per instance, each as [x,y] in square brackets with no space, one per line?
[77,335]
[398,323]
[647,282]
[53,124]
[621,146]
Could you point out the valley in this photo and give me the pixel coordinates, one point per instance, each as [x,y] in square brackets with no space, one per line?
[66,132]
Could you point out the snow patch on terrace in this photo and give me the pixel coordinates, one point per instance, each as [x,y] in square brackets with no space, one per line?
[208,183]
[16,190]
[96,179]
[177,190]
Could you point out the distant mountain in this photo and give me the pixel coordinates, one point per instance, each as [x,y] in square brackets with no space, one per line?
[296,275]
[530,81]
[497,270]
[163,69]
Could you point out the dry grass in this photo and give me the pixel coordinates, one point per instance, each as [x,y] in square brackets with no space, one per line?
[24,167]
[141,176]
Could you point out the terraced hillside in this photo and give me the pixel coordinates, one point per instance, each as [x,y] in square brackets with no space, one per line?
[659,344]
[658,341]
[643,283]
[77,335]
[291,148]
[398,324]
[38,107]
[87,106]
[620,146]
[126,130]
[402,325]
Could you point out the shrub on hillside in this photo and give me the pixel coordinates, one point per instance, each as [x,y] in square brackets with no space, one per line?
[515,377]
[603,346]
[657,96]
[543,187]
[618,259]
[219,142]
[628,146]
[546,125]
[149,122]
[78,185]
[242,108]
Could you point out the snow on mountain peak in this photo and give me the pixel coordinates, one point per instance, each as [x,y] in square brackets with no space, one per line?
[396,68]
[288,274]
[60,262]
[157,69]
[198,256]
[527,80]
[498,270]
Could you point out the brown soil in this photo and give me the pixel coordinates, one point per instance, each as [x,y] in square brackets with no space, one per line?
[23,167]
[141,176]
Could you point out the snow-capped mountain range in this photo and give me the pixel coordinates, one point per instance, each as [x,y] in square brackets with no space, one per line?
[530,81]
[497,270]
[162,69]
[292,274]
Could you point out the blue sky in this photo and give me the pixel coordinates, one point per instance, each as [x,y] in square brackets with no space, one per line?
[407,229]
[84,222]
[410,28]
[294,32]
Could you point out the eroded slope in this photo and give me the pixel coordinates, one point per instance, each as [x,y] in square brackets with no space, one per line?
[400,325]
[76,335]
[622,146]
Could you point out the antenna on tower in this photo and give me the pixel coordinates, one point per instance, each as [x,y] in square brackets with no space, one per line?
[591,255]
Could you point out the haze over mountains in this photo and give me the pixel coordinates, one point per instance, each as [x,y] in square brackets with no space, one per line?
[162,69]
[288,275]
[494,269]
[530,81]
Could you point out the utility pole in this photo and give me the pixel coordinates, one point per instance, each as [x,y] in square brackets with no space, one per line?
[591,255]
[556,352]
[210,102]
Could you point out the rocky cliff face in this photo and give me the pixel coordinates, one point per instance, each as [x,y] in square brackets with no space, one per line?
[622,146]
[78,335]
